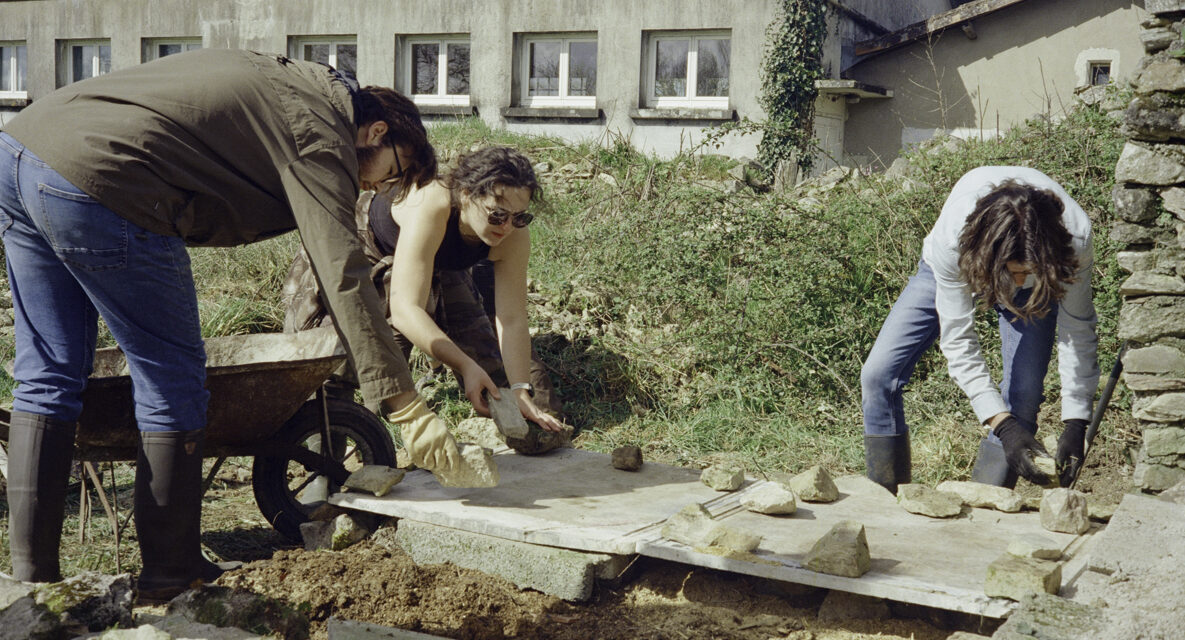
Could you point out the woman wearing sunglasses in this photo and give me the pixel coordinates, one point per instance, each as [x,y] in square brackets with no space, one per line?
[479,211]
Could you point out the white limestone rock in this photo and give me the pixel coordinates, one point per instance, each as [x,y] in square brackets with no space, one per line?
[842,551]
[694,526]
[1014,578]
[1064,511]
[477,469]
[814,485]
[375,478]
[1035,545]
[925,501]
[723,477]
[977,494]
[770,498]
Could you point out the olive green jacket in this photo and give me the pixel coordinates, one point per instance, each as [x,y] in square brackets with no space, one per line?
[223,147]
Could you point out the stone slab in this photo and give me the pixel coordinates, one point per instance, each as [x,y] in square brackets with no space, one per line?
[574,499]
[566,498]
[1141,534]
[563,573]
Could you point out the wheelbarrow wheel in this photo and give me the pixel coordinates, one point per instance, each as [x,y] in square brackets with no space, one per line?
[294,478]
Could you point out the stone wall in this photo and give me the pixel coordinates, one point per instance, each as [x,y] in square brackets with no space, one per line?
[1150,204]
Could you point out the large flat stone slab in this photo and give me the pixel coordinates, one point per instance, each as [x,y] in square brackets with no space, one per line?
[566,498]
[574,499]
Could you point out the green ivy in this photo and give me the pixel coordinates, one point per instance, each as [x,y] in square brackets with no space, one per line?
[793,62]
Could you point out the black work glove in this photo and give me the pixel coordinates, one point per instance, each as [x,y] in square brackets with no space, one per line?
[1071,449]
[1020,447]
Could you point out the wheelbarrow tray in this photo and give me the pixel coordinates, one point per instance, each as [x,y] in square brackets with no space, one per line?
[256,383]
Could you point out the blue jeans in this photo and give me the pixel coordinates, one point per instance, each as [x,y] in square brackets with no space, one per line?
[910,329]
[71,260]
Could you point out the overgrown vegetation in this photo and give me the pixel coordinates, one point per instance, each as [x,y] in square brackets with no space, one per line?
[791,64]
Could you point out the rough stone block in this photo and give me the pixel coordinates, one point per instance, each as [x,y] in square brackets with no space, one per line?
[1159,7]
[1046,616]
[1142,534]
[22,617]
[1146,319]
[1174,494]
[89,601]
[977,494]
[1134,235]
[1134,204]
[1156,477]
[1166,407]
[1164,441]
[1161,75]
[770,498]
[1035,546]
[539,440]
[479,430]
[1148,164]
[723,477]
[1132,261]
[376,479]
[563,573]
[477,469]
[506,414]
[628,458]
[1064,510]
[694,526]
[926,501]
[1014,578]
[813,485]
[225,607]
[1146,283]
[839,606]
[337,534]
[842,551]
[1173,200]
[1157,39]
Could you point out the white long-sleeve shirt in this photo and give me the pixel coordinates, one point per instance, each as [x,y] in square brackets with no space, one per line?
[1077,342]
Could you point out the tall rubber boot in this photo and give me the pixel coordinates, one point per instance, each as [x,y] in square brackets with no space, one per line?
[40,450]
[887,460]
[991,467]
[168,511]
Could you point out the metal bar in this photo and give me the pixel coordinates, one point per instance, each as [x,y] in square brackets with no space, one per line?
[210,476]
[98,482]
[1101,407]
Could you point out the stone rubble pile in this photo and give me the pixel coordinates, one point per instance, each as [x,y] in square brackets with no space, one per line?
[1150,204]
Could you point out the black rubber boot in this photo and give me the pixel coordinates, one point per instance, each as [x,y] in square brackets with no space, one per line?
[991,467]
[168,511]
[887,460]
[40,450]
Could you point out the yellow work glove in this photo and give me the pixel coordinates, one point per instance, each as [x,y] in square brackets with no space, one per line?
[427,439]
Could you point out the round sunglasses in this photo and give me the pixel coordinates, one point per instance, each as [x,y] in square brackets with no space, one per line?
[498,217]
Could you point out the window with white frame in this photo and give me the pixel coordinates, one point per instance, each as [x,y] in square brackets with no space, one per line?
[436,69]
[559,70]
[339,52]
[13,68]
[688,69]
[155,48]
[82,59]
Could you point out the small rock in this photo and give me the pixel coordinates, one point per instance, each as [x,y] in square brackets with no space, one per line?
[476,469]
[842,551]
[88,601]
[1064,511]
[403,460]
[225,607]
[1099,512]
[1036,546]
[142,632]
[375,478]
[628,458]
[337,534]
[1011,577]
[923,500]
[695,527]
[723,477]
[1048,466]
[977,494]
[770,498]
[21,616]
[540,440]
[839,606]
[542,167]
[814,485]
[607,179]
[506,414]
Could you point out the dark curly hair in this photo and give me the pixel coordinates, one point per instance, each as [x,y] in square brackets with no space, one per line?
[476,173]
[1016,222]
[404,127]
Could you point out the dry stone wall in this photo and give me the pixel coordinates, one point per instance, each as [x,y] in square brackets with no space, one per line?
[1150,204]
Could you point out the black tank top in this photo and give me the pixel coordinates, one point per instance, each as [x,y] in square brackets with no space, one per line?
[453,254]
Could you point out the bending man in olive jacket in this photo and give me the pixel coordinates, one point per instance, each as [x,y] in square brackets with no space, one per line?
[103,184]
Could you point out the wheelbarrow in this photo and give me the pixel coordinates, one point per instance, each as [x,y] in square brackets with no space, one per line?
[267,401]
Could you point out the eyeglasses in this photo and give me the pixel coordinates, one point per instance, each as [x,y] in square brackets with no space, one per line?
[386,183]
[498,217]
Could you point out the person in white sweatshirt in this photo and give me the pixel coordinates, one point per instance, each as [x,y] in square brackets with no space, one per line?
[1010,238]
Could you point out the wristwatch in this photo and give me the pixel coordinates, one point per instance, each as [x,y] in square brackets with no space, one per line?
[523,385]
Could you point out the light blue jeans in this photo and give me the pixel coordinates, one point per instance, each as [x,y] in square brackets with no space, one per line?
[71,260]
[910,329]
